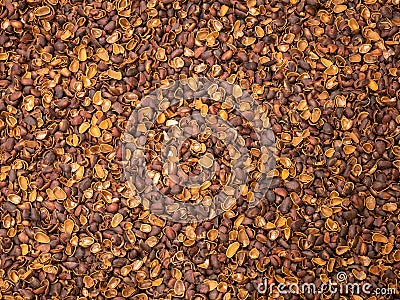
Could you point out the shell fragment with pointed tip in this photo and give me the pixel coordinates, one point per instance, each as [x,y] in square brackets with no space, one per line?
[346,123]
[332,225]
[82,53]
[211,283]
[373,35]
[157,282]
[340,250]
[232,249]
[59,193]
[100,171]
[332,70]
[326,62]
[237,91]
[95,131]
[116,220]
[373,85]
[103,54]
[254,253]
[247,41]
[326,211]
[330,152]
[97,99]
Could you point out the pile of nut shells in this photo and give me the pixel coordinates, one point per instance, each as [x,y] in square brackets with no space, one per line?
[72,72]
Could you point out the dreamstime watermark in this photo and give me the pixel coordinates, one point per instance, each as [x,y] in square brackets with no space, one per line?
[251,154]
[340,286]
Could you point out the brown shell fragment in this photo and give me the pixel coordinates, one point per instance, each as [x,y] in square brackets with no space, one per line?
[247,41]
[3,56]
[339,8]
[332,225]
[102,54]
[380,238]
[69,226]
[349,149]
[340,250]
[114,74]
[179,288]
[232,249]
[13,198]
[167,149]
[360,275]
[116,220]
[42,238]
[43,11]
[86,241]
